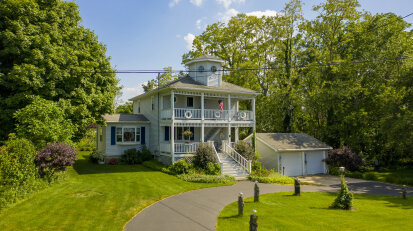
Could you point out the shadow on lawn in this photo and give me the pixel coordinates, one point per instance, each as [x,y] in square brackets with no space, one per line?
[84,166]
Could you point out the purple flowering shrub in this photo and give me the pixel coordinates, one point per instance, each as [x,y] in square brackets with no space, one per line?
[55,157]
[344,157]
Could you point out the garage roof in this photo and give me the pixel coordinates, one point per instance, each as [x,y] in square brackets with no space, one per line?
[292,141]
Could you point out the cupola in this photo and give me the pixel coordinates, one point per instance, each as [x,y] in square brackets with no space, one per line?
[206,69]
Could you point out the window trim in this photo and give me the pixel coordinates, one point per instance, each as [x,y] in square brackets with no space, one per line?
[137,130]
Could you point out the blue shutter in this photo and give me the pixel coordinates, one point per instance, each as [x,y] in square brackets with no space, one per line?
[113,135]
[166,133]
[142,135]
[192,129]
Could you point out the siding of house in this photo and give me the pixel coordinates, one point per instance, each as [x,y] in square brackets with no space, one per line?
[152,116]
[269,158]
[118,149]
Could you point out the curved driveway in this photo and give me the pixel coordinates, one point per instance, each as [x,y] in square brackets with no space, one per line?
[199,209]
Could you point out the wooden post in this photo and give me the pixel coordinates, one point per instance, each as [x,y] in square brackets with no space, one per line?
[256,192]
[404,192]
[297,185]
[240,204]
[253,221]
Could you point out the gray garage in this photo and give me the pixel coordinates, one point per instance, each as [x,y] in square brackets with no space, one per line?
[293,154]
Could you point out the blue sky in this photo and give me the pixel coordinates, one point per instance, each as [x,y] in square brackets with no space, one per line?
[152,34]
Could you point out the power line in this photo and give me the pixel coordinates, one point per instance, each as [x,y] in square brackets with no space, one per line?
[259,68]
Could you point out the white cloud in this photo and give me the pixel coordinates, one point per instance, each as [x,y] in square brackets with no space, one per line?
[227,3]
[130,92]
[173,3]
[260,14]
[227,15]
[196,2]
[198,23]
[189,38]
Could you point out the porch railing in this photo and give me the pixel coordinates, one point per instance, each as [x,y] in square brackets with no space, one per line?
[246,164]
[209,114]
[182,148]
[221,164]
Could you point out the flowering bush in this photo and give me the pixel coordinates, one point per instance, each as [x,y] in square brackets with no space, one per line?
[344,157]
[113,161]
[55,157]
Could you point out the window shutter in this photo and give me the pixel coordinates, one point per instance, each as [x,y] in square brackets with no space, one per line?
[166,133]
[113,135]
[142,135]
[192,129]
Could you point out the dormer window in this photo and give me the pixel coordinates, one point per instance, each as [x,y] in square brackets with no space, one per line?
[201,69]
[213,69]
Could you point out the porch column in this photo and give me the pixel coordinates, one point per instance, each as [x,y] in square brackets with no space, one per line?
[229,107]
[172,127]
[202,118]
[229,134]
[236,134]
[253,113]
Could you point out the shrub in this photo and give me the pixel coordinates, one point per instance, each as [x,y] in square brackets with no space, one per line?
[245,150]
[180,167]
[200,178]
[88,142]
[370,176]
[154,164]
[355,174]
[344,198]
[259,170]
[18,174]
[203,155]
[113,161]
[42,122]
[97,156]
[55,157]
[272,178]
[213,169]
[333,170]
[134,156]
[344,157]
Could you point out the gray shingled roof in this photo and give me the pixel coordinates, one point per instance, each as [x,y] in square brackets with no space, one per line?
[116,118]
[189,83]
[288,141]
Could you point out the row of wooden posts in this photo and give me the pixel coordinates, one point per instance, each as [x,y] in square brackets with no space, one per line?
[254,216]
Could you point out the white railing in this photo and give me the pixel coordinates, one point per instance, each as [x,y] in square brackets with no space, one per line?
[242,115]
[186,147]
[187,113]
[246,164]
[166,114]
[165,147]
[221,165]
[215,114]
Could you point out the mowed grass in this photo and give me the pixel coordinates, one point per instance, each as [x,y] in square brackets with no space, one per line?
[282,211]
[93,197]
[402,176]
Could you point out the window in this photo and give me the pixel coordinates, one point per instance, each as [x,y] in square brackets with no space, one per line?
[180,133]
[153,103]
[174,98]
[190,102]
[128,134]
[139,106]
[119,135]
[100,134]
[213,69]
[201,68]
[166,138]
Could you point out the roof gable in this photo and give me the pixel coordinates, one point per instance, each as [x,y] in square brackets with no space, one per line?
[117,118]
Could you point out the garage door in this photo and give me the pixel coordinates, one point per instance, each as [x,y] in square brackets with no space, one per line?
[314,162]
[292,163]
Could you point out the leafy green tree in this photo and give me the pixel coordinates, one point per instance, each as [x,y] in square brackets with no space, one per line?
[125,108]
[163,79]
[42,122]
[46,52]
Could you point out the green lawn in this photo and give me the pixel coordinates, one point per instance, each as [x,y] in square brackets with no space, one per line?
[395,176]
[93,197]
[281,211]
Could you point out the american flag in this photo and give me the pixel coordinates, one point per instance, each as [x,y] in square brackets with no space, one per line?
[221,105]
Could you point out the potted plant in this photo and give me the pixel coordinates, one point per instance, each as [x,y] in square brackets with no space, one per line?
[187,135]
[98,157]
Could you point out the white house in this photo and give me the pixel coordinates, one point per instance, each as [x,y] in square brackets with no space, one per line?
[201,103]
[292,154]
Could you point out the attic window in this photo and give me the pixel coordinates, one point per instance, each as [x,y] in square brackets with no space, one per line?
[201,69]
[214,69]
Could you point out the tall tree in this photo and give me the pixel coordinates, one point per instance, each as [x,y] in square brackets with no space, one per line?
[167,76]
[46,52]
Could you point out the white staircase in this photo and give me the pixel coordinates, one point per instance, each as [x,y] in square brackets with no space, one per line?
[232,168]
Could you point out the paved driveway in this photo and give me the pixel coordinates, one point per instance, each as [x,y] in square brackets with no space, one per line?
[199,209]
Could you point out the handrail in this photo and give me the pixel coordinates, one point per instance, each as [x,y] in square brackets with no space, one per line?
[246,164]
[221,165]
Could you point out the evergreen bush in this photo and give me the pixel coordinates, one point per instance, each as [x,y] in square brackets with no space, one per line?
[344,198]
[213,169]
[180,167]
[204,154]
[245,150]
[97,156]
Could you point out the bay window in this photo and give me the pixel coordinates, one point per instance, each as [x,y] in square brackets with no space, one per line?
[128,134]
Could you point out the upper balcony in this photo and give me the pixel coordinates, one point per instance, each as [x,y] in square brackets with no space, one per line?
[209,114]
